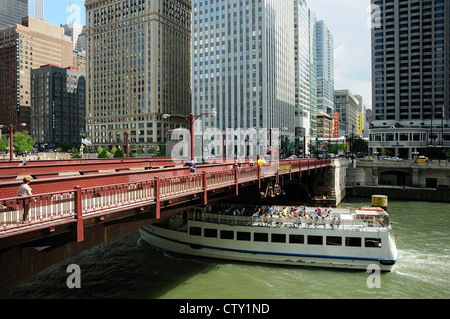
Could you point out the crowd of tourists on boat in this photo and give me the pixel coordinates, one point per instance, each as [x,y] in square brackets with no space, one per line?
[273,211]
[285,212]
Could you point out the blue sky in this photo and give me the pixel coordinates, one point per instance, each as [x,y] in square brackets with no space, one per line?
[57,11]
[346,19]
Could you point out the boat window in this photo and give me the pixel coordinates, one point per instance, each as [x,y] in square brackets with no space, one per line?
[296,239]
[334,241]
[353,241]
[226,234]
[278,238]
[210,232]
[373,242]
[261,237]
[243,235]
[195,231]
[315,240]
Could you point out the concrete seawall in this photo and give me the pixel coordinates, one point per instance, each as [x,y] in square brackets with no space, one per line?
[402,193]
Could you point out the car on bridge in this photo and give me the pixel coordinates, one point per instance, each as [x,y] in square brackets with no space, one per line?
[423,159]
[394,159]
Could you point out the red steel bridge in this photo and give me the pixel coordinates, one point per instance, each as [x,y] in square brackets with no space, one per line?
[71,196]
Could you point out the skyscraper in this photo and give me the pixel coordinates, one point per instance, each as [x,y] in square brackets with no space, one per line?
[77,33]
[138,57]
[24,47]
[58,113]
[410,76]
[305,71]
[36,8]
[12,12]
[325,68]
[347,105]
[243,64]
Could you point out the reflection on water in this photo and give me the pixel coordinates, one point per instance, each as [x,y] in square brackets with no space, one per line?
[129,268]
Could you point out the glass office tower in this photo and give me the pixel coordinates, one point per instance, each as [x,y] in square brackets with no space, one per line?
[325,68]
[243,64]
[305,71]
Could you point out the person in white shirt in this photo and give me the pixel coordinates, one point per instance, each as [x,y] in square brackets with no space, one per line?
[25,190]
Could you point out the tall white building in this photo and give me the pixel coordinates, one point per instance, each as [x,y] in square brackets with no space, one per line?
[325,68]
[36,9]
[243,64]
[77,33]
[305,69]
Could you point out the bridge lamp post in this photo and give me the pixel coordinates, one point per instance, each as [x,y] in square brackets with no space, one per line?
[11,140]
[191,118]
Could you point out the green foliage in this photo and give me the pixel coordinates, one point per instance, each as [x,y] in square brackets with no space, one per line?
[65,146]
[113,150]
[23,142]
[3,143]
[161,152]
[103,154]
[119,154]
[75,153]
[360,145]
[336,147]
[152,150]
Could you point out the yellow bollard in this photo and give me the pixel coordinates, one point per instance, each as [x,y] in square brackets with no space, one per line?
[380,201]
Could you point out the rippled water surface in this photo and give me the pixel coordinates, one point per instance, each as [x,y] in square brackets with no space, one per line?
[129,268]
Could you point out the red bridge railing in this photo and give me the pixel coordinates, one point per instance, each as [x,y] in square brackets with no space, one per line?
[82,203]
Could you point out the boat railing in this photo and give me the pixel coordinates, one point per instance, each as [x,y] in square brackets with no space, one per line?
[292,222]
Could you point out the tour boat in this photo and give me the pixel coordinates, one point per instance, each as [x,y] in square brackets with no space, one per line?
[345,238]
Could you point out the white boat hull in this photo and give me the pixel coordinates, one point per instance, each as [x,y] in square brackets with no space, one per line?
[273,253]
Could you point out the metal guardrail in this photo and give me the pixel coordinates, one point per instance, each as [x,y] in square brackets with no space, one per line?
[22,213]
[293,222]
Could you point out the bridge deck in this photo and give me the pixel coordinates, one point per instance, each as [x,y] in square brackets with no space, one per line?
[65,200]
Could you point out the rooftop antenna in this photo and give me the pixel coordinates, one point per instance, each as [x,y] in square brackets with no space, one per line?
[70,11]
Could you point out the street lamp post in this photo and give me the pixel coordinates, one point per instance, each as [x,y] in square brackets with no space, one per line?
[11,138]
[191,118]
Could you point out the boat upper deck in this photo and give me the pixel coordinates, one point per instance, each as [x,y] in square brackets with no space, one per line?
[344,219]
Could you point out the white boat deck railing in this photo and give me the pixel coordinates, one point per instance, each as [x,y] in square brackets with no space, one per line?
[369,224]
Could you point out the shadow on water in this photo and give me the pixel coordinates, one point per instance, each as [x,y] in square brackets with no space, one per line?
[124,268]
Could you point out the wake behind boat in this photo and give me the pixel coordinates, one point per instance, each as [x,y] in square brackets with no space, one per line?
[305,236]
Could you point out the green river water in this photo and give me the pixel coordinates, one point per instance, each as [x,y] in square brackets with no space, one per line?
[128,268]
